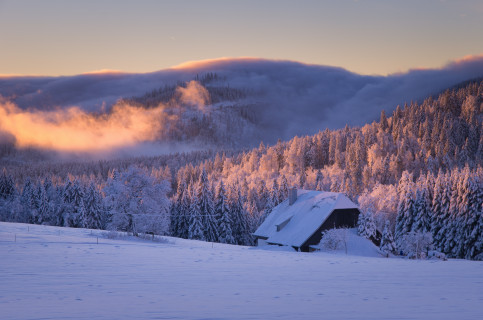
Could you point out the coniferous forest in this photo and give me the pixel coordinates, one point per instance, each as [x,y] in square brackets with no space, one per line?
[418,169]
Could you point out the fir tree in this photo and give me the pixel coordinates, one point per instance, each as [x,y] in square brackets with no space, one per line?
[205,207]
[405,210]
[93,211]
[195,230]
[319,181]
[176,209]
[28,203]
[387,241]
[366,226]
[43,208]
[442,212]
[422,221]
[7,186]
[283,189]
[240,228]
[223,214]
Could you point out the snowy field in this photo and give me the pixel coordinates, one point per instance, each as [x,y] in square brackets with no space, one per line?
[61,273]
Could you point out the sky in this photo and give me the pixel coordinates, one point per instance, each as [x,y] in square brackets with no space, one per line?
[65,37]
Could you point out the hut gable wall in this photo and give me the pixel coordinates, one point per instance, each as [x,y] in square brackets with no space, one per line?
[339,218]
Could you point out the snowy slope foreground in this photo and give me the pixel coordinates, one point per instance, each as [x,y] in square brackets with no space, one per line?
[60,273]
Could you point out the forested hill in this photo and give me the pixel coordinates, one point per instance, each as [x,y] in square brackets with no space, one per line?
[420,168]
[228,103]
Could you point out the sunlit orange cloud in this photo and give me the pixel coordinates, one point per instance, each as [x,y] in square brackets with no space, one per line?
[12,75]
[195,95]
[209,62]
[103,71]
[466,59]
[75,130]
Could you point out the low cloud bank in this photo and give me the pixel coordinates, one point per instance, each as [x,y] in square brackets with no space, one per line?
[124,128]
[291,99]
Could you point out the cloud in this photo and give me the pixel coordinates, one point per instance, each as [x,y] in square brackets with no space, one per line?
[123,129]
[194,95]
[75,130]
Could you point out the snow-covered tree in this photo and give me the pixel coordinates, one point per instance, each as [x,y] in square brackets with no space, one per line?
[28,203]
[240,227]
[283,189]
[73,196]
[416,244]
[180,211]
[205,207]
[222,212]
[405,211]
[137,203]
[7,186]
[387,241]
[334,239]
[422,220]
[93,214]
[366,226]
[195,229]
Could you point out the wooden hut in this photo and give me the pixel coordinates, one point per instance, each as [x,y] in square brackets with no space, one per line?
[299,221]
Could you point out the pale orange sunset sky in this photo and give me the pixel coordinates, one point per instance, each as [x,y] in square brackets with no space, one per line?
[371,37]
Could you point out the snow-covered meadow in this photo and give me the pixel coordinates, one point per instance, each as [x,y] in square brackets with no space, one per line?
[61,273]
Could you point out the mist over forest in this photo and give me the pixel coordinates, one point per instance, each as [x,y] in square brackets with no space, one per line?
[225,103]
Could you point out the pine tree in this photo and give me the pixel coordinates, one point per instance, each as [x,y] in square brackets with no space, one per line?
[7,186]
[383,122]
[405,210]
[436,205]
[283,189]
[223,214]
[467,231]
[205,208]
[262,195]
[195,230]
[184,212]
[274,194]
[474,230]
[27,201]
[387,242]
[93,211]
[176,215]
[450,228]
[366,226]
[77,200]
[319,181]
[240,227]
[422,221]
[44,206]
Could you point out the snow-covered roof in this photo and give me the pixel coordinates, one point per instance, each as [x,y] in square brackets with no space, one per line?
[292,225]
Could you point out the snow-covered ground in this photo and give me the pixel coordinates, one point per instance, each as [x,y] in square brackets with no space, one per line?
[61,273]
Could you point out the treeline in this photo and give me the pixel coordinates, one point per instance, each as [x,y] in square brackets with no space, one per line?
[223,119]
[205,210]
[132,200]
[219,90]
[441,136]
[449,206]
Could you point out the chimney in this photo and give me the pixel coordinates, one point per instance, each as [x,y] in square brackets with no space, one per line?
[292,196]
